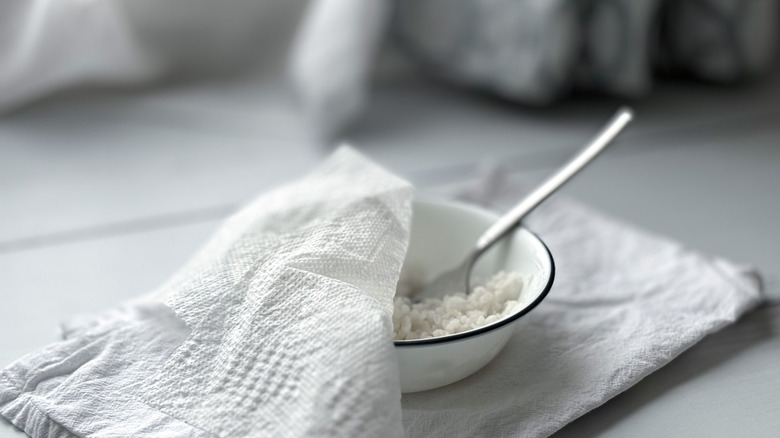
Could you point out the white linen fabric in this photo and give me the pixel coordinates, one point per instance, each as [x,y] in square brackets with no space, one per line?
[624,303]
[530,51]
[331,61]
[52,45]
[47,45]
[280,326]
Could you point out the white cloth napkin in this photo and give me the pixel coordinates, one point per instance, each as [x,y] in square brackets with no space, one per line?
[280,326]
[624,303]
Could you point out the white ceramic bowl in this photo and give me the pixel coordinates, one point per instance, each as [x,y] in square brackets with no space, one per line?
[442,234]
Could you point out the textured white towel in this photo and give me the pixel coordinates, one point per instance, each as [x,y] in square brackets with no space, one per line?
[624,303]
[279,327]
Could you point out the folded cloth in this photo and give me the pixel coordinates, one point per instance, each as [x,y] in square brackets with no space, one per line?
[624,303]
[533,51]
[330,64]
[529,51]
[46,46]
[280,326]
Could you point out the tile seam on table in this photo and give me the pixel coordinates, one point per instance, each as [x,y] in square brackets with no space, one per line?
[556,155]
[119,228]
[538,159]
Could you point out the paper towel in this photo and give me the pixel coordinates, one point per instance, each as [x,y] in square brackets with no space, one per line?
[280,326]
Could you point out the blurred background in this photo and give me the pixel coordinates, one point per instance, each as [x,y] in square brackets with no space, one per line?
[131,128]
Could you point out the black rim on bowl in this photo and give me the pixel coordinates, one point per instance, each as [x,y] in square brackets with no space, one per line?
[484,329]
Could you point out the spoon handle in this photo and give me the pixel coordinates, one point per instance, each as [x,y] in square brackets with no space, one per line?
[512,219]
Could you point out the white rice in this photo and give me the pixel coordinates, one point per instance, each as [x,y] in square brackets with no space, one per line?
[500,297]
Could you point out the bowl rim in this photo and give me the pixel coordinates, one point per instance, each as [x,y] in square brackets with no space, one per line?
[490,327]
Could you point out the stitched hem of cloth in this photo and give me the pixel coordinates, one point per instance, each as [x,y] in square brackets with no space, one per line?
[28,416]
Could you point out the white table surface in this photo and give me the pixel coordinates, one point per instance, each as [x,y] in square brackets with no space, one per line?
[103,195]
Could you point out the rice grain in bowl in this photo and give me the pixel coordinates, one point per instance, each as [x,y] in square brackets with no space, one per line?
[442,233]
[493,301]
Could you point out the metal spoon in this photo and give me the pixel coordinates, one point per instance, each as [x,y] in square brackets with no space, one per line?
[458,279]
